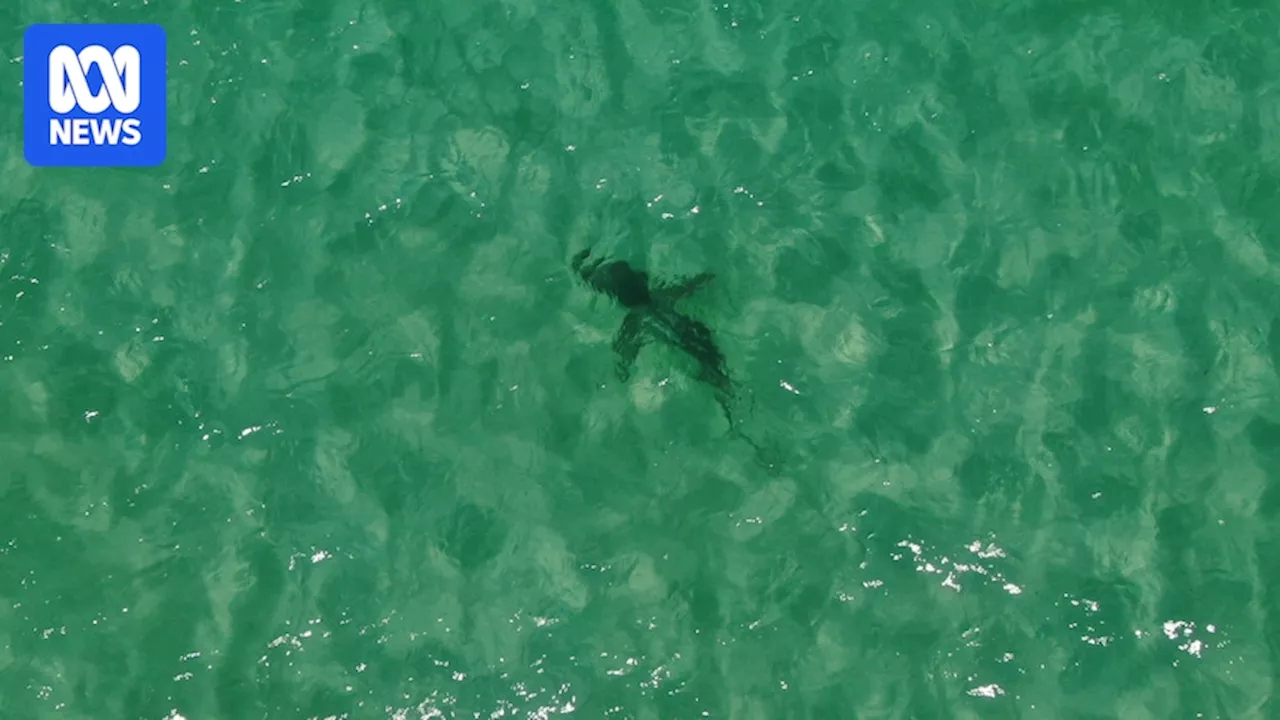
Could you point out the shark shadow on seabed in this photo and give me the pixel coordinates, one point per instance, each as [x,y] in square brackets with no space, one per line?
[652,315]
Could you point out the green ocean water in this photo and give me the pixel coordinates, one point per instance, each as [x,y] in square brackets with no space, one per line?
[313,421]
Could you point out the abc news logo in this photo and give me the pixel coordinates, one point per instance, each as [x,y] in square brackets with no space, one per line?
[69,89]
[94,95]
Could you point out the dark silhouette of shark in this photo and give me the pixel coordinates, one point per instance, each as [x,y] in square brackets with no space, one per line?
[652,315]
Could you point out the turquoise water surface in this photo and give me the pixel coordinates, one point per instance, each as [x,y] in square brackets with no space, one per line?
[314,421]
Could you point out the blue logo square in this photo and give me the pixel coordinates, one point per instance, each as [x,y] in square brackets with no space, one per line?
[94,95]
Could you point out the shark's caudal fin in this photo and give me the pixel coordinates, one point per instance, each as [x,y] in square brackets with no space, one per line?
[652,315]
[768,458]
[767,454]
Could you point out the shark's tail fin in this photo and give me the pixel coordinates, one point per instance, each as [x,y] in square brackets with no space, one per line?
[767,456]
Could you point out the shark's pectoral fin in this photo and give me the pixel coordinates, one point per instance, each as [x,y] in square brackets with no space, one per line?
[627,343]
[579,259]
[688,287]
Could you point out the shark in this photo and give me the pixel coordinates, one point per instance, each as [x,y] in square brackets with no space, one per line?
[653,315]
